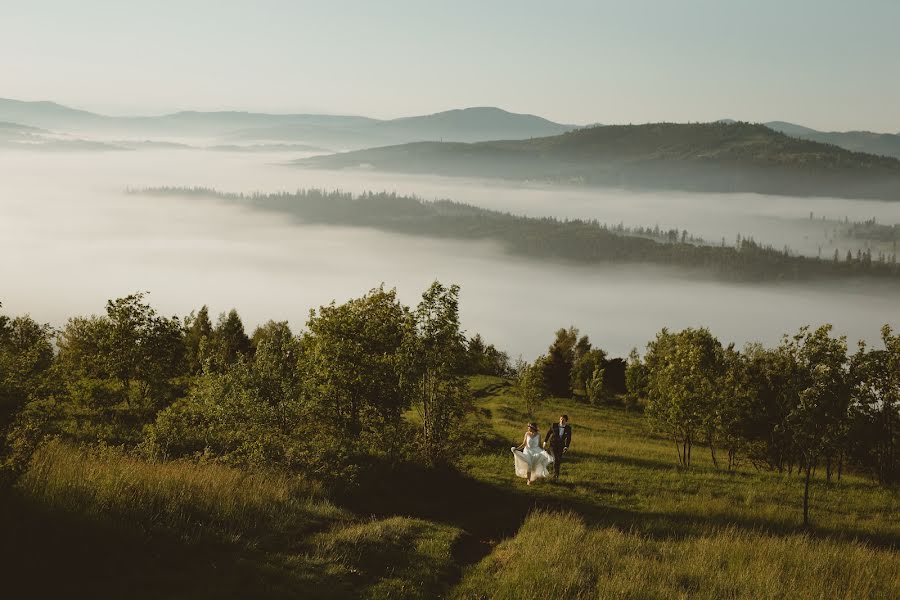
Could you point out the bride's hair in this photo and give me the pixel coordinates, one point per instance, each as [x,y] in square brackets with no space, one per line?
[532,427]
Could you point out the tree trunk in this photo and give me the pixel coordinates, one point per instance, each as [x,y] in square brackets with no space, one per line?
[678,450]
[828,469]
[806,495]
[712,452]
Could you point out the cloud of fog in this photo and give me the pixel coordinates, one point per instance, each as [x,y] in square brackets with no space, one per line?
[70,238]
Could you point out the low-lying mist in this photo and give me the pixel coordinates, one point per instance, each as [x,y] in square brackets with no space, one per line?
[70,238]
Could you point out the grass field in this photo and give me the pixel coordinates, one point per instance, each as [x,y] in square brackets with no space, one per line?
[623,522]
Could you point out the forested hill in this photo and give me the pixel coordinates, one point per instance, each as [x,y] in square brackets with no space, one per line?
[579,242]
[710,157]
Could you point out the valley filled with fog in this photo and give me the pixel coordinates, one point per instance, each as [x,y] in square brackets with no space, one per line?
[71,237]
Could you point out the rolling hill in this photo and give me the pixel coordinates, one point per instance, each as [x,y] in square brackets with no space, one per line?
[332,131]
[713,157]
[885,144]
[22,137]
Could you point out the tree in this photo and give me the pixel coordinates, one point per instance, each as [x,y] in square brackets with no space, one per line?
[277,363]
[356,354]
[875,407]
[683,373]
[198,331]
[437,354]
[26,356]
[530,383]
[594,390]
[485,359]
[559,362]
[131,353]
[819,419]
[635,379]
[768,376]
[586,363]
[229,341]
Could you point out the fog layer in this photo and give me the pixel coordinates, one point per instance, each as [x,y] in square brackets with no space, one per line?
[70,238]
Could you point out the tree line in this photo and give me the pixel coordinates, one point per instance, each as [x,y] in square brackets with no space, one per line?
[366,379]
[576,241]
[804,404]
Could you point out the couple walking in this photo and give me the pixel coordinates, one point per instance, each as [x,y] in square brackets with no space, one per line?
[531,461]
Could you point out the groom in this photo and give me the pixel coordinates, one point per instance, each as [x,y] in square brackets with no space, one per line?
[559,437]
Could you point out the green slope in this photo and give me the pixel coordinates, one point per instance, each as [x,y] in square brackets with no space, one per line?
[714,157]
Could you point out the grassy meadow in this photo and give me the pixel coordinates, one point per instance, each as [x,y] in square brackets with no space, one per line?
[623,522]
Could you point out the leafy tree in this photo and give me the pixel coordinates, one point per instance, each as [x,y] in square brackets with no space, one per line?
[485,359]
[875,409]
[636,382]
[595,390]
[437,354]
[820,417]
[277,363]
[356,353]
[683,373]
[229,342]
[559,362]
[198,331]
[768,377]
[530,383]
[587,362]
[131,353]
[26,356]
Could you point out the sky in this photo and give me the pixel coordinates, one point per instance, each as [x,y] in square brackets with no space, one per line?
[831,65]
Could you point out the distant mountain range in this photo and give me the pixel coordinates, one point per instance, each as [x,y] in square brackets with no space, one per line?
[328,131]
[715,157]
[22,137]
[885,144]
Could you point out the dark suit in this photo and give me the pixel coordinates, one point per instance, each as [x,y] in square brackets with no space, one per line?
[558,443]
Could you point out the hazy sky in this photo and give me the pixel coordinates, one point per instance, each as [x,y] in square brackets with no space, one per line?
[826,64]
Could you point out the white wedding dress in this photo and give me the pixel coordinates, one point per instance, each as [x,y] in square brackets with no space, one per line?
[533,459]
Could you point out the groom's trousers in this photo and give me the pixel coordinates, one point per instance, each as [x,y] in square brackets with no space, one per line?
[557,459]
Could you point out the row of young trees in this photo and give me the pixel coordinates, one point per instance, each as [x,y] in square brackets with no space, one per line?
[803,403]
[324,401]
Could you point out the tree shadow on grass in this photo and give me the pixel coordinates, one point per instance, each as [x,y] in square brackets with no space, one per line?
[52,554]
[493,389]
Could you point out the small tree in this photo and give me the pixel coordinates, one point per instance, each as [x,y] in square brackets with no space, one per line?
[436,354]
[198,330]
[229,342]
[586,363]
[26,355]
[530,383]
[594,390]
[684,372]
[819,418]
[635,379]
[875,408]
[559,361]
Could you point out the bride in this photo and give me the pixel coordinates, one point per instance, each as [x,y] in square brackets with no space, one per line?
[530,460]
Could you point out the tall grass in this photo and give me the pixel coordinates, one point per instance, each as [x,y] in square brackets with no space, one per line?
[556,555]
[193,500]
[101,520]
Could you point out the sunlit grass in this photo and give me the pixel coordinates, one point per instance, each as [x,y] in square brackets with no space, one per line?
[557,555]
[635,525]
[617,469]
